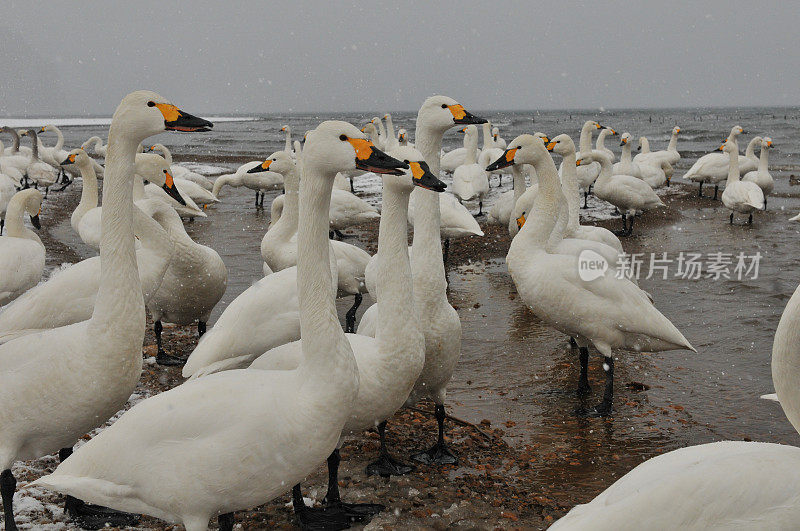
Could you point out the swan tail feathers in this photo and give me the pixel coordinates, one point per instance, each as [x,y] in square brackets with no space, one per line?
[85,488]
[771,396]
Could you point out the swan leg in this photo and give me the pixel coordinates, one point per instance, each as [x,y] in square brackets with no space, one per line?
[630,225]
[261,203]
[90,516]
[358,512]
[624,231]
[583,380]
[439,453]
[765,202]
[162,358]
[480,209]
[386,465]
[446,250]
[585,199]
[350,318]
[700,190]
[352,189]
[201,328]
[716,189]
[750,219]
[256,198]
[317,518]
[731,218]
[226,522]
[8,484]
[2,224]
[341,236]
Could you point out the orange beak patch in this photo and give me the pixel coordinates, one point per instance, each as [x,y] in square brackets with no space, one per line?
[72,158]
[521,221]
[170,183]
[510,155]
[458,111]
[363,147]
[266,164]
[578,162]
[550,146]
[416,170]
[171,112]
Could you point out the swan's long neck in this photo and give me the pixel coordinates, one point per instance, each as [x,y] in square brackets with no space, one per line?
[397,326]
[763,160]
[34,146]
[15,227]
[89,186]
[15,141]
[542,219]
[645,145]
[562,220]
[786,360]
[601,140]
[673,143]
[138,188]
[750,152]
[586,138]
[390,127]
[519,183]
[733,168]
[428,265]
[328,359]
[60,143]
[605,171]
[569,184]
[626,158]
[487,136]
[471,143]
[166,153]
[154,239]
[228,179]
[381,130]
[120,306]
[286,226]
[287,146]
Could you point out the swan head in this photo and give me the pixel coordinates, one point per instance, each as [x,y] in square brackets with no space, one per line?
[32,203]
[441,113]
[286,129]
[736,130]
[154,168]
[417,174]
[729,147]
[766,143]
[643,142]
[336,146]
[562,145]
[45,128]
[471,131]
[144,113]
[368,129]
[402,137]
[525,149]
[78,157]
[279,162]
[676,130]
[626,138]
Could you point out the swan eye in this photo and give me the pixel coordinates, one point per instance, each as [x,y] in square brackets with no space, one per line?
[444,105]
[165,171]
[343,138]
[151,104]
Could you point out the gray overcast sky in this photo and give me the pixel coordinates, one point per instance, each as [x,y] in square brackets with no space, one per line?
[68,58]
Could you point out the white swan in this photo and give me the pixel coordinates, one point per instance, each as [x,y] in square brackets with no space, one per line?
[287,145]
[701,487]
[181,174]
[500,213]
[290,420]
[16,149]
[629,194]
[470,179]
[402,138]
[608,312]
[670,155]
[648,170]
[41,173]
[193,284]
[392,142]
[590,171]
[455,158]
[761,176]
[499,142]
[490,151]
[712,167]
[260,182]
[96,143]
[46,403]
[13,167]
[8,187]
[389,363]
[455,221]
[740,196]
[69,294]
[21,250]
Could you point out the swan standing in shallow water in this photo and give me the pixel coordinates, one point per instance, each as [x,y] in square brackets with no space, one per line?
[21,250]
[720,485]
[45,403]
[761,176]
[290,421]
[607,312]
[740,196]
[713,167]
[40,172]
[600,145]
[470,179]
[88,200]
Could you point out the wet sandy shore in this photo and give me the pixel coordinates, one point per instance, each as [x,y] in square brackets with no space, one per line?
[527,458]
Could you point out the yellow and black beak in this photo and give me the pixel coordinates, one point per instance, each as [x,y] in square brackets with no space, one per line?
[35,220]
[177,120]
[69,160]
[171,189]
[461,116]
[505,160]
[370,158]
[423,177]
[720,148]
[623,141]
[521,221]
[578,162]
[264,166]
[769,143]
[545,139]
[613,133]
[550,146]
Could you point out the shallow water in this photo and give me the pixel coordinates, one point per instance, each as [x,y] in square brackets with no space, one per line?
[519,373]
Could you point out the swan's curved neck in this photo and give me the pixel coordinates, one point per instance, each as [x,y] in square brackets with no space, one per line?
[542,219]
[327,354]
[673,143]
[286,226]
[519,183]
[471,144]
[390,127]
[786,360]
[15,227]
[733,167]
[428,265]
[88,186]
[60,143]
[287,146]
[763,160]
[166,153]
[34,146]
[153,238]
[750,152]
[229,179]
[585,144]
[562,219]
[381,130]
[138,188]
[626,158]
[171,222]
[487,136]
[605,171]
[15,141]
[120,306]
[569,184]
[601,139]
[397,321]
[645,145]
